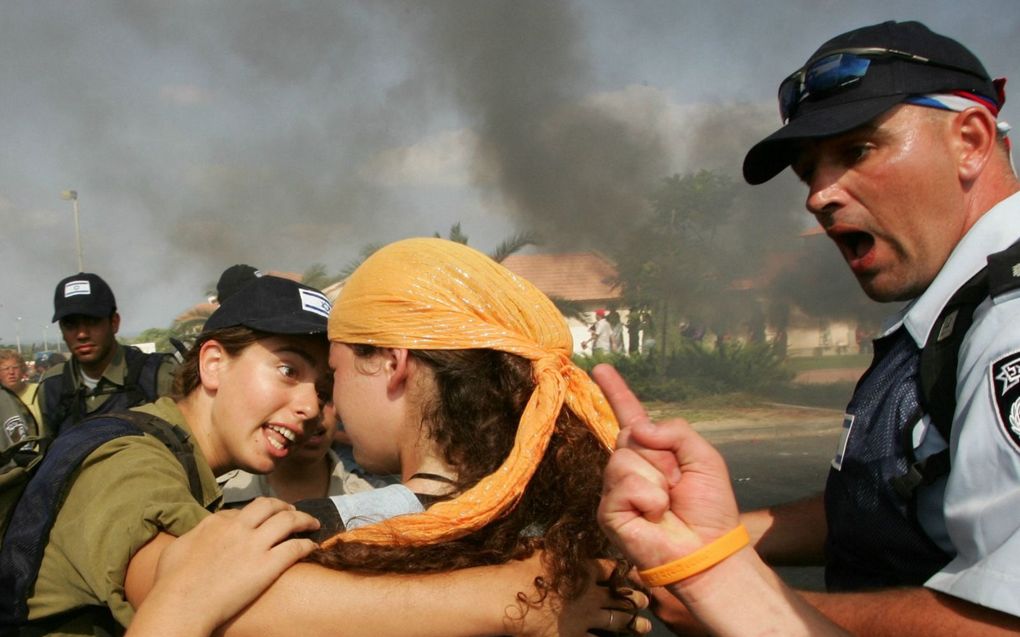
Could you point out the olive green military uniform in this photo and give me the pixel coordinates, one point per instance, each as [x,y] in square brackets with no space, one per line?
[16,422]
[30,397]
[125,492]
[113,376]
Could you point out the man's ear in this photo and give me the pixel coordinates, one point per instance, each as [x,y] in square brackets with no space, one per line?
[115,322]
[396,367]
[975,134]
[212,360]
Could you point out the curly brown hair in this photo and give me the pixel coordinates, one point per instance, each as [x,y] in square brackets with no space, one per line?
[473,415]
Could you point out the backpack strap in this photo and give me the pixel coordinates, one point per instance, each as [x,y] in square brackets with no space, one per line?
[62,399]
[940,359]
[142,377]
[28,532]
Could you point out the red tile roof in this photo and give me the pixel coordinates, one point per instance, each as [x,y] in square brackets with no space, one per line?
[579,276]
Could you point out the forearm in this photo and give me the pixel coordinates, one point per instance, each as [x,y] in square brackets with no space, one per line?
[163,615]
[312,600]
[911,611]
[760,605]
[789,534]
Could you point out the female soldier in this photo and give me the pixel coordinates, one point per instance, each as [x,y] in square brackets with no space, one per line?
[245,391]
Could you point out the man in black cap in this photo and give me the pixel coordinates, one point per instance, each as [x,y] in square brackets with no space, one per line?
[102,375]
[894,130]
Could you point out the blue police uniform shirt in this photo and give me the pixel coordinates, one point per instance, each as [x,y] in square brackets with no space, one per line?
[874,538]
[974,513]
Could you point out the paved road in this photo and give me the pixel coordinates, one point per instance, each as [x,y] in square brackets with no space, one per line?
[776,462]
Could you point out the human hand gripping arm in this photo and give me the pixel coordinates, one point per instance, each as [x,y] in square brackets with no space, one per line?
[667,493]
[212,572]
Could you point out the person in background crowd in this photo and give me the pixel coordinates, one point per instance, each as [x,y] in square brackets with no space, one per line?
[616,339]
[102,375]
[14,376]
[602,333]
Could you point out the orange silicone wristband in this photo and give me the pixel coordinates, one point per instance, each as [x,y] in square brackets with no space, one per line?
[703,559]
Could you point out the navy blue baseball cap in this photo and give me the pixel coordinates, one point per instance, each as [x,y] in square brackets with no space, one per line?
[274,305]
[83,293]
[855,77]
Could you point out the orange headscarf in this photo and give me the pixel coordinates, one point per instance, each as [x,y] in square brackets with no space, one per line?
[440,295]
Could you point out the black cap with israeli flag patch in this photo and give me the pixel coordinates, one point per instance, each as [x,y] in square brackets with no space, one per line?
[84,293]
[274,305]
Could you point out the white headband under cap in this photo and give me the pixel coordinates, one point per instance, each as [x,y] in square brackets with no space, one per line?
[958,103]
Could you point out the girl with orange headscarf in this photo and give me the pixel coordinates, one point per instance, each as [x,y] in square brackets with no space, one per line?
[455,373]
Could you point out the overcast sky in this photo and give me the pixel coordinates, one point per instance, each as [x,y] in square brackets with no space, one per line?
[199,134]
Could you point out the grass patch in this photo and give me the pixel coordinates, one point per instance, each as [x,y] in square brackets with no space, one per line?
[829,395]
[706,406]
[798,364]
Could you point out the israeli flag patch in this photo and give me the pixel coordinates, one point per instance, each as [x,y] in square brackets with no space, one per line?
[1005,377]
[77,288]
[315,302]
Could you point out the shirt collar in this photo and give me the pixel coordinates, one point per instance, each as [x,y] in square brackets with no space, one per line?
[995,230]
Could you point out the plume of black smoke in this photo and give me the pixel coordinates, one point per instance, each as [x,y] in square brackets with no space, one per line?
[520,73]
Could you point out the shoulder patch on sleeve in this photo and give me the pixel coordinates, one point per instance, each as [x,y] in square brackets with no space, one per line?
[15,429]
[1005,377]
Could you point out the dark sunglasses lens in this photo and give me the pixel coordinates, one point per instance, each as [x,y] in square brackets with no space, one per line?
[834,71]
[828,73]
[789,96]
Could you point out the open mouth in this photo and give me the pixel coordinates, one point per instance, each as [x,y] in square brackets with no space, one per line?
[854,245]
[279,438]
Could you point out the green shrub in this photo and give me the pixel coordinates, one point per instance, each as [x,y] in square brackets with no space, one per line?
[695,370]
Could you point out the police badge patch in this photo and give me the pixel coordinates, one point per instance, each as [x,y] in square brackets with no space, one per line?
[1006,392]
[15,429]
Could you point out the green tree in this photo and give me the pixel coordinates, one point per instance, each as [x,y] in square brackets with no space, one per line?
[678,264]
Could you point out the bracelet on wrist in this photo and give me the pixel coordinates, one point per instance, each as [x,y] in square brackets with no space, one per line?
[701,560]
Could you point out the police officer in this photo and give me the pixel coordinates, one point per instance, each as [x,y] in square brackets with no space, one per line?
[102,375]
[894,129]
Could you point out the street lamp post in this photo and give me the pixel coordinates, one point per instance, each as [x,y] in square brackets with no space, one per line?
[18,338]
[72,196]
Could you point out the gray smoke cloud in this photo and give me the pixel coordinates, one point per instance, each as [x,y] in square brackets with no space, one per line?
[563,166]
[287,133]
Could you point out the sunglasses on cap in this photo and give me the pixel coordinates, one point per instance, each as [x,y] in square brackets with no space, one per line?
[838,70]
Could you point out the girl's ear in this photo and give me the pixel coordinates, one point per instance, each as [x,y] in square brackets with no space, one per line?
[395,366]
[212,360]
